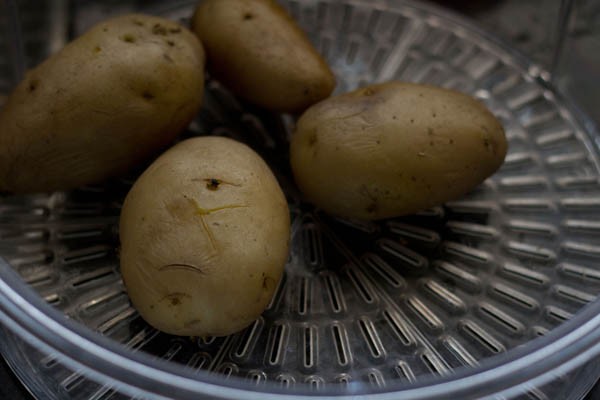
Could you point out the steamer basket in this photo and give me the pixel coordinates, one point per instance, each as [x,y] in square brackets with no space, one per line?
[483,296]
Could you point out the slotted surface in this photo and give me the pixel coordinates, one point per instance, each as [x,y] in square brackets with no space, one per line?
[361,304]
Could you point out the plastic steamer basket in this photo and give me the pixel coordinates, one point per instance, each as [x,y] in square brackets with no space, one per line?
[486,296]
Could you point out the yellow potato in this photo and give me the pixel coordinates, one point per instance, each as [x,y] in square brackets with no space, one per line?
[108,100]
[256,49]
[393,149]
[204,238]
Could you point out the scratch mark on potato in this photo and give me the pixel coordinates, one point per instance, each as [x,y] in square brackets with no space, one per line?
[209,232]
[181,266]
[202,212]
[205,211]
[189,324]
[98,111]
[351,115]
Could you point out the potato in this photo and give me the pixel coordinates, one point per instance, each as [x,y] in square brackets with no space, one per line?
[393,149]
[105,102]
[204,238]
[256,49]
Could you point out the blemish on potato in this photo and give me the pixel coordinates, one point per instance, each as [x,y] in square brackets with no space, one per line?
[97,49]
[212,183]
[158,29]
[128,38]
[248,16]
[312,139]
[175,30]
[369,92]
[168,58]
[175,298]
[138,22]
[147,95]
[371,208]
[170,43]
[33,85]
[268,283]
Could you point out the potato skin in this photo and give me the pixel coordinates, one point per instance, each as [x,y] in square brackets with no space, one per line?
[256,49]
[105,102]
[204,238]
[393,149]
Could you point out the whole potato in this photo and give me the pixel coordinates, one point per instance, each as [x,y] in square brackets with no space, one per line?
[393,149]
[256,49]
[108,100]
[204,238]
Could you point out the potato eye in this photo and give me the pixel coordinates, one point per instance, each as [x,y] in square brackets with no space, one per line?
[212,184]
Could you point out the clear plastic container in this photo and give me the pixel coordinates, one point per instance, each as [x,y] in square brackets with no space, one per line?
[491,295]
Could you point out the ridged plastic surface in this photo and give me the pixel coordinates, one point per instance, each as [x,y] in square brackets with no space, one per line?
[360,303]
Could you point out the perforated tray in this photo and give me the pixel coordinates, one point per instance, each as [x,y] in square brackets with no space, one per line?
[363,307]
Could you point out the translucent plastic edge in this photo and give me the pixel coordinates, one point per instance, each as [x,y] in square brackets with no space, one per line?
[563,349]
[9,346]
[80,349]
